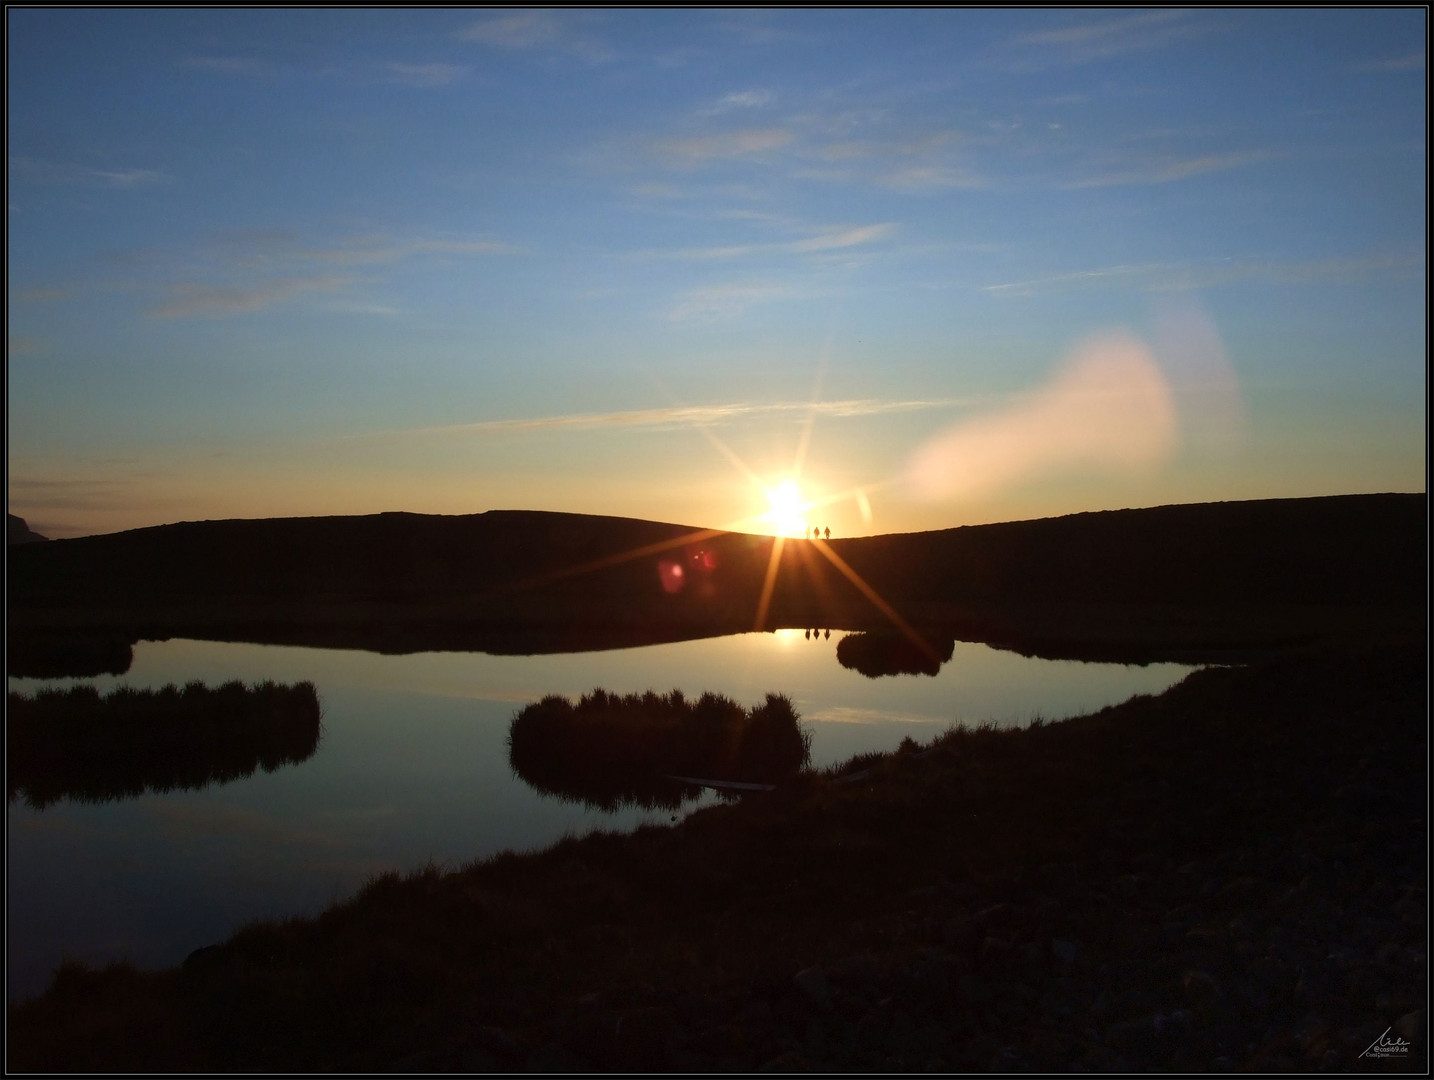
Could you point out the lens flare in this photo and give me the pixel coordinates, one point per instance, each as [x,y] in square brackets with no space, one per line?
[1109,409]
[1213,419]
[864,505]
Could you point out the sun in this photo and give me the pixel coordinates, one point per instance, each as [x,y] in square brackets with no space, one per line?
[786,508]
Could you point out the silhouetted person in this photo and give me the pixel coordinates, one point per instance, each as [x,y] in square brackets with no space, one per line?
[807,634]
[827,633]
[827,533]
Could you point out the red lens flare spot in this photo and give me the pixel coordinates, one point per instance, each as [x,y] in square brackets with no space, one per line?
[671,574]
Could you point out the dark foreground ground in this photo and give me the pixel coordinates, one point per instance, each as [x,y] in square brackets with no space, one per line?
[1229,876]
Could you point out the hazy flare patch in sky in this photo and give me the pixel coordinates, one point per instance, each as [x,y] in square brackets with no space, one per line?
[1206,388]
[1108,408]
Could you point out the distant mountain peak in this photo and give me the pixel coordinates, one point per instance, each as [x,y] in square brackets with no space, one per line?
[17,532]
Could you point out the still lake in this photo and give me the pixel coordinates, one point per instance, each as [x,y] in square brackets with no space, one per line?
[412,767]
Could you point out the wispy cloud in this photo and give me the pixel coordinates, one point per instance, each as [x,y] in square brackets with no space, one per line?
[657,190]
[370,251]
[531,30]
[354,307]
[743,99]
[865,146]
[712,303]
[1410,62]
[276,247]
[919,178]
[911,163]
[1166,169]
[679,416]
[425,75]
[51,172]
[249,66]
[754,26]
[844,148]
[433,74]
[189,300]
[242,272]
[699,149]
[521,30]
[704,200]
[34,296]
[69,494]
[1201,275]
[831,238]
[1104,38]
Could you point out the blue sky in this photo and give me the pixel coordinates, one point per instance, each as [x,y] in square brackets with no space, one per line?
[942,267]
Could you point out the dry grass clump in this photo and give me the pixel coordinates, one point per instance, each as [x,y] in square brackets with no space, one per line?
[612,749]
[78,744]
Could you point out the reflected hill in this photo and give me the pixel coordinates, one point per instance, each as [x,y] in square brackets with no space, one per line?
[78,745]
[1186,582]
[611,750]
[55,655]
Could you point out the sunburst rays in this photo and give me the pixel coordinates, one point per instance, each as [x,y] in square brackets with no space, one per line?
[787,506]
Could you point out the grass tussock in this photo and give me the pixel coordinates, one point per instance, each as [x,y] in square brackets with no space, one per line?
[81,745]
[611,750]
[875,653]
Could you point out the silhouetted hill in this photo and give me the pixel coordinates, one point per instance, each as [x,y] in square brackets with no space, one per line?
[17,532]
[379,557]
[1351,549]
[509,569]
[1192,576]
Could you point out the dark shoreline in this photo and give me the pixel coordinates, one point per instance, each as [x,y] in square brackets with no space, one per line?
[1231,875]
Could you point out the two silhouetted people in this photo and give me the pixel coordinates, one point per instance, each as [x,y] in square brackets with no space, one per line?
[821,534]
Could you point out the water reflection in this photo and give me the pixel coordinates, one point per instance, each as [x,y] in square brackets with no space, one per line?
[415,768]
[611,751]
[887,652]
[78,745]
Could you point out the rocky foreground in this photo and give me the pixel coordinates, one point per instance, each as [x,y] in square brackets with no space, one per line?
[1229,876]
